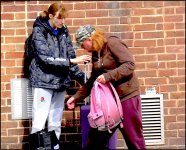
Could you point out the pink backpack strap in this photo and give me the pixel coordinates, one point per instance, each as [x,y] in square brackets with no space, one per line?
[117,100]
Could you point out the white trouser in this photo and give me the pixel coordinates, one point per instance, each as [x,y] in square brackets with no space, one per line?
[47,105]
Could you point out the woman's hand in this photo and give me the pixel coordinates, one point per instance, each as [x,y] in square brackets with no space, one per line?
[101,79]
[83,58]
[71,103]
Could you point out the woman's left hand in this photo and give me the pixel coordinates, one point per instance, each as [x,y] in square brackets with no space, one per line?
[101,79]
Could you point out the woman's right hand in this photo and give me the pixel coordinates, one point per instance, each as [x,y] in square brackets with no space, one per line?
[71,103]
[83,58]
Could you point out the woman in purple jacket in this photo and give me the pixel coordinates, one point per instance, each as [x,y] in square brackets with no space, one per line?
[112,62]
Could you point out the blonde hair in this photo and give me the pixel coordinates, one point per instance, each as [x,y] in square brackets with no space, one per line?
[54,9]
[98,39]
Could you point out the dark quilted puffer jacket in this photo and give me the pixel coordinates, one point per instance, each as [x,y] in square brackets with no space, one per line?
[51,67]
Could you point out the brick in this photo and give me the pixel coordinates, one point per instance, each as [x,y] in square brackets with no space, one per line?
[175,49]
[7,16]
[181,72]
[134,20]
[174,18]
[108,5]
[12,24]
[109,21]
[153,4]
[15,70]
[179,25]
[5,48]
[172,3]
[152,35]
[174,34]
[155,81]
[39,8]
[15,8]
[13,55]
[84,6]
[2,40]
[168,72]
[145,43]
[7,63]
[68,6]
[137,50]
[31,15]
[7,32]
[172,64]
[168,88]
[180,10]
[181,132]
[144,27]
[8,86]
[145,58]
[5,109]
[18,131]
[169,26]
[16,146]
[169,103]
[181,103]
[169,11]
[127,35]
[81,22]
[181,87]
[117,13]
[19,16]
[159,26]
[9,125]
[6,78]
[152,19]
[155,50]
[170,41]
[160,42]
[174,80]
[120,28]
[132,4]
[138,35]
[180,57]
[76,14]
[166,57]
[9,139]
[177,141]
[177,95]
[142,11]
[20,32]
[170,133]
[180,41]
[181,118]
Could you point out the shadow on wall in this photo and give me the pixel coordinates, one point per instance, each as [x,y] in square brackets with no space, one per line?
[27,128]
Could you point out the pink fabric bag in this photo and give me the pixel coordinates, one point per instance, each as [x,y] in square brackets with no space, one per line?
[105,107]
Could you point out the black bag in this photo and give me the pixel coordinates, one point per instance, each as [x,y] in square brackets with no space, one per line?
[28,55]
[43,140]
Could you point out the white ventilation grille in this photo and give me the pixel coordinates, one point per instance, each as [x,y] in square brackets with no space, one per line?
[21,99]
[152,118]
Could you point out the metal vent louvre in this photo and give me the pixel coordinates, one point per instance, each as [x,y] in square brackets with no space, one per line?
[21,99]
[152,118]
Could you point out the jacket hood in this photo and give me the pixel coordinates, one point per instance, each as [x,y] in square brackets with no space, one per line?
[39,22]
[42,23]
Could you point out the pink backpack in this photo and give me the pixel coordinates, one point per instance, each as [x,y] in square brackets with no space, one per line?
[105,107]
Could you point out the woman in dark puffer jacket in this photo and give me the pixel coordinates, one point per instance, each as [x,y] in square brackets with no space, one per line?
[51,69]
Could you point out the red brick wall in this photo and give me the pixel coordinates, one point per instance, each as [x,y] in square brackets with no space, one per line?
[154,32]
